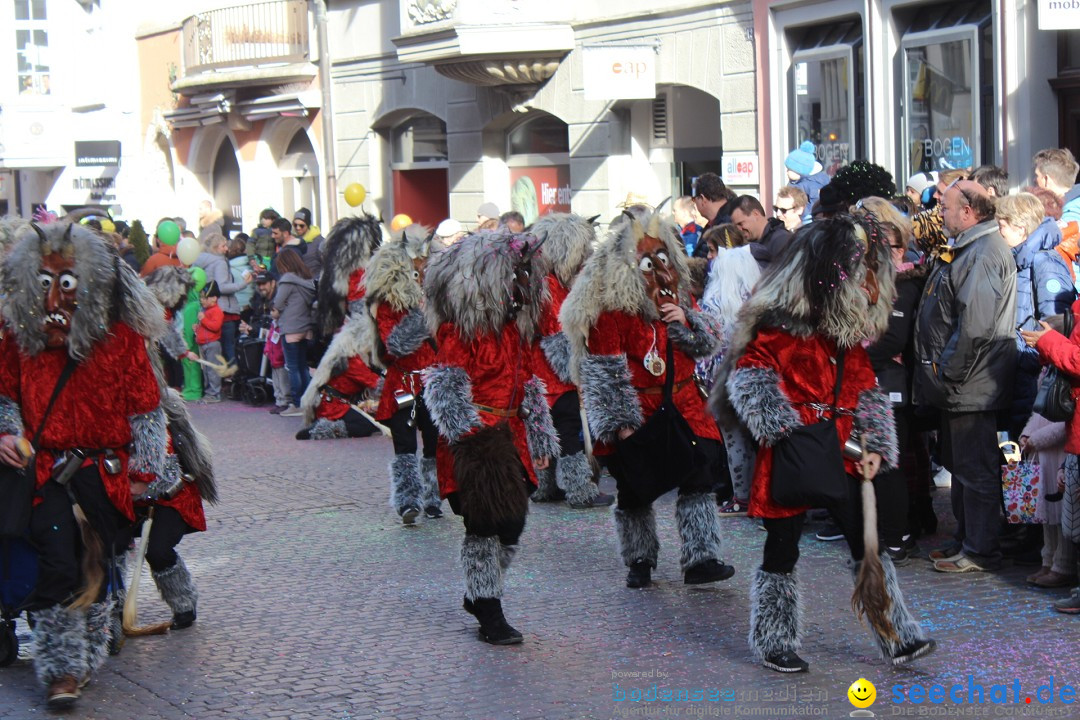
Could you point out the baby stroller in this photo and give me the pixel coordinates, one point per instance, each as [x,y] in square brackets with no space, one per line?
[18,576]
[252,380]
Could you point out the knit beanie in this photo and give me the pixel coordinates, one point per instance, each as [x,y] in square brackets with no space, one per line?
[802,159]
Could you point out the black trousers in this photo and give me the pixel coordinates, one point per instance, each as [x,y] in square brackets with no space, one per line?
[55,534]
[702,480]
[165,534]
[404,436]
[970,452]
[566,415]
[782,542]
[891,489]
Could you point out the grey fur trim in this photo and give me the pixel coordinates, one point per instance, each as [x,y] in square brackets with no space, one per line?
[98,269]
[611,402]
[699,529]
[637,535]
[192,448]
[170,285]
[539,428]
[354,339]
[406,485]
[701,340]
[177,587]
[60,644]
[480,560]
[470,285]
[159,486]
[391,277]
[761,404]
[448,396]
[574,475]
[408,335]
[547,487]
[775,613]
[323,429]
[149,441]
[98,633]
[908,629]
[430,478]
[173,343]
[568,243]
[875,422]
[557,353]
[11,422]
[506,556]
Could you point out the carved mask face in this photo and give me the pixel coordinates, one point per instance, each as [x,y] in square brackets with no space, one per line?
[59,283]
[519,289]
[661,281]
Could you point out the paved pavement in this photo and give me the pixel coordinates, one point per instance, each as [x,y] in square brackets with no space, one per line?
[316,603]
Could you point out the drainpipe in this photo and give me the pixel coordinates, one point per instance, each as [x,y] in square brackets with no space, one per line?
[329,163]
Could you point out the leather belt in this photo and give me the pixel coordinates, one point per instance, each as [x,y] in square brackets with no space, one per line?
[657,389]
[497,412]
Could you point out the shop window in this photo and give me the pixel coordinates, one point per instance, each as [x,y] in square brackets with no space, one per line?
[538,152]
[31,47]
[542,135]
[420,139]
[949,99]
[827,91]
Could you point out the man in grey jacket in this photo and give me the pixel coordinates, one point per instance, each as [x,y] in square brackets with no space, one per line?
[966,354]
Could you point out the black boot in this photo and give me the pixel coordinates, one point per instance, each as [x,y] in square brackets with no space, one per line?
[640,575]
[493,626]
[183,620]
[707,572]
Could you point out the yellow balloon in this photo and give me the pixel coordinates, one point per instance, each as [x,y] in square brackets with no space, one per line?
[355,194]
[400,222]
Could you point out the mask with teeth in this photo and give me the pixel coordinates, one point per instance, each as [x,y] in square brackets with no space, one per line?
[59,284]
[661,280]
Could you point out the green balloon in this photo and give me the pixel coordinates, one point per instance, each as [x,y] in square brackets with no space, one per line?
[168,232]
[199,275]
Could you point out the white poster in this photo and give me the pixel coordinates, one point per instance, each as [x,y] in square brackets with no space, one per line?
[740,168]
[1059,14]
[620,72]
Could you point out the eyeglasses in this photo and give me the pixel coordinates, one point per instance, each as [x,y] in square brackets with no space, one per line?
[299,225]
[777,210]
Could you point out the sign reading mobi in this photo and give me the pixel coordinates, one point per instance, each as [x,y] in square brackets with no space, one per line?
[1059,14]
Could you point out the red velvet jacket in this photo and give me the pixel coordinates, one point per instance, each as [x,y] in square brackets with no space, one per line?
[1064,353]
[618,332]
[498,367]
[356,378]
[807,373]
[113,383]
[550,325]
[401,373]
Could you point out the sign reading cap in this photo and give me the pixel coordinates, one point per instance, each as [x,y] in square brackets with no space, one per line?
[620,72]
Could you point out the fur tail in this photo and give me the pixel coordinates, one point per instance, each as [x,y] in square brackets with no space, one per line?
[870,599]
[92,559]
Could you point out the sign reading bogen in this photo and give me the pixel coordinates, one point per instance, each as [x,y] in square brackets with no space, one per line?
[620,72]
[1059,14]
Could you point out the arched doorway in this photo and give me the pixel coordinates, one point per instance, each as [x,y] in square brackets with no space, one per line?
[687,121]
[538,157]
[419,163]
[299,167]
[225,179]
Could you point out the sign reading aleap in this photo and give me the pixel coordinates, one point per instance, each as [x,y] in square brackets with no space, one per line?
[740,168]
[620,72]
[1059,14]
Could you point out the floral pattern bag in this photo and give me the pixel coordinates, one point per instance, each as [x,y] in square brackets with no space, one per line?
[1021,486]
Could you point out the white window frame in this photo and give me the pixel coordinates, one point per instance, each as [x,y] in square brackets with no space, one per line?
[31,26]
[828,52]
[392,135]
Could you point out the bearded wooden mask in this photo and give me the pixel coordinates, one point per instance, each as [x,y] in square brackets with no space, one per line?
[661,280]
[59,283]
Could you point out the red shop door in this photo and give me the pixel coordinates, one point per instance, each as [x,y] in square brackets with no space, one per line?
[423,195]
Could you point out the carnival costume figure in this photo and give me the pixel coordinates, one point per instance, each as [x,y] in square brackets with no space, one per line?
[568,241]
[483,303]
[635,336]
[805,325]
[346,253]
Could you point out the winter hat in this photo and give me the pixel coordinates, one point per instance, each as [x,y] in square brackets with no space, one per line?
[802,159]
[303,215]
[211,290]
[920,181]
[448,228]
[488,210]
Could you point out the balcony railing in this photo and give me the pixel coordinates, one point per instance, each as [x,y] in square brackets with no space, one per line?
[247,35]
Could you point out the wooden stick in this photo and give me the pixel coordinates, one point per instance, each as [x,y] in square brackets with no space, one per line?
[378,425]
[131,602]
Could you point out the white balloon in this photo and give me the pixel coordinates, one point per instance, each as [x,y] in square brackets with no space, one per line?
[188,250]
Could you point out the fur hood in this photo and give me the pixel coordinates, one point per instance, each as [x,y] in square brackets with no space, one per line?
[815,287]
[170,285]
[390,276]
[568,243]
[470,284]
[612,281]
[211,216]
[108,289]
[348,248]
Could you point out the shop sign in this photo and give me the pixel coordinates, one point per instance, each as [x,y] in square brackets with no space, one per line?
[1059,14]
[536,191]
[620,72]
[88,189]
[740,168]
[97,153]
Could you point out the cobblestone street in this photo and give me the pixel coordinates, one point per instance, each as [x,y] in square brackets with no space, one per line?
[315,602]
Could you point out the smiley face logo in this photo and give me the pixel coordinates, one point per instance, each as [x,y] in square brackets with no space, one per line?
[862,693]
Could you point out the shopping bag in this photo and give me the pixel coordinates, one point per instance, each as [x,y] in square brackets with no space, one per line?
[1021,485]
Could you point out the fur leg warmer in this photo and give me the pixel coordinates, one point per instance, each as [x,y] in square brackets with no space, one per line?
[406,485]
[60,644]
[699,529]
[98,633]
[177,588]
[430,483]
[637,535]
[574,475]
[547,490]
[506,556]
[480,558]
[908,629]
[775,613]
[323,429]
